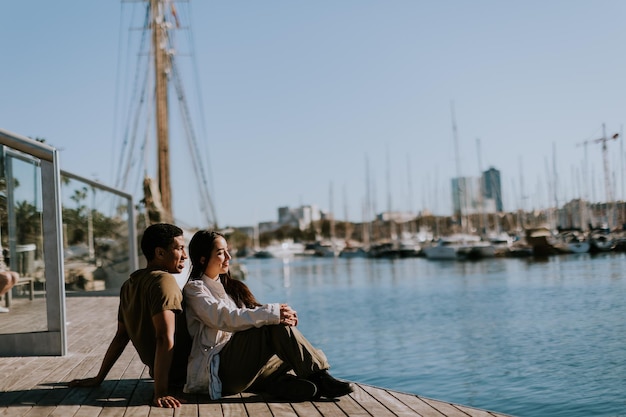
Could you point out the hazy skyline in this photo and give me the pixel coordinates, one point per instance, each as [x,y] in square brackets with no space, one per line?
[299,97]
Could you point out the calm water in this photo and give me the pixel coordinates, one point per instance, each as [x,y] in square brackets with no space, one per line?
[518,336]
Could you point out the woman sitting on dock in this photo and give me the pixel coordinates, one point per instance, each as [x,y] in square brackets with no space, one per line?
[241,345]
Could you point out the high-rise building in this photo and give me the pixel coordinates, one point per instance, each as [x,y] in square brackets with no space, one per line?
[472,195]
[492,189]
[465,193]
[300,217]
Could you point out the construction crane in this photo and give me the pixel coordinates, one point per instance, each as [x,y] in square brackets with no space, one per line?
[605,161]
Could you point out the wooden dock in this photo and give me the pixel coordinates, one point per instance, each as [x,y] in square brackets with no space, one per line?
[36,386]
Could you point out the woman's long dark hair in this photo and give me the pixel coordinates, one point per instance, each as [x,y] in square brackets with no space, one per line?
[201,246]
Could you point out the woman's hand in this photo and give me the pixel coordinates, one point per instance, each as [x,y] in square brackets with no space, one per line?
[288,316]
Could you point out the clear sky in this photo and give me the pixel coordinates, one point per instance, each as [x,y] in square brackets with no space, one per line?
[296,97]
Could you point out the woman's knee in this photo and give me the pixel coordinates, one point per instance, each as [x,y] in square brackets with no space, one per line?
[282,331]
[277,328]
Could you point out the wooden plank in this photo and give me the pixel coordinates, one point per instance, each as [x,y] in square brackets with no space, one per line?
[232,406]
[390,402]
[140,400]
[24,316]
[369,403]
[33,392]
[87,410]
[255,405]
[161,412]
[447,409]
[417,404]
[210,409]
[327,408]
[188,409]
[351,407]
[307,409]
[476,412]
[40,411]
[14,411]
[279,409]
[65,411]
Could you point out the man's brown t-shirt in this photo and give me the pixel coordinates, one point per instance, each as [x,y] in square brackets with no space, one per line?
[144,294]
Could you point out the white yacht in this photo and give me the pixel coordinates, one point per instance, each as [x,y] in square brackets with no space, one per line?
[459,246]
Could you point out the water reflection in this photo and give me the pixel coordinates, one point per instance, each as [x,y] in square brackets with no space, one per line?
[513,335]
[286,273]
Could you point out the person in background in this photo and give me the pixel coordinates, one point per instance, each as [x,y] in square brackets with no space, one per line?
[241,345]
[8,279]
[150,302]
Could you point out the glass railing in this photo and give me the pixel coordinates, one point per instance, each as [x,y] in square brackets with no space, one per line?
[98,234]
[64,235]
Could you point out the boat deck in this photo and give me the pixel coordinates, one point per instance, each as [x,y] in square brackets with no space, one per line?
[36,386]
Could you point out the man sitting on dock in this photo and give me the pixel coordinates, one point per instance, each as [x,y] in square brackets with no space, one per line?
[150,316]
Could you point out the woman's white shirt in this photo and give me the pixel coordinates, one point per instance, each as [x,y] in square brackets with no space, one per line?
[212,317]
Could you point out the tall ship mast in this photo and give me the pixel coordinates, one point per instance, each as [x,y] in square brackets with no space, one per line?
[161,70]
[156,72]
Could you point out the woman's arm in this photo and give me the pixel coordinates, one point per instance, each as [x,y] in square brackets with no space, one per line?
[219,314]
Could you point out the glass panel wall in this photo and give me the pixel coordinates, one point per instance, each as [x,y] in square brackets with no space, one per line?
[21,237]
[96,237]
[64,235]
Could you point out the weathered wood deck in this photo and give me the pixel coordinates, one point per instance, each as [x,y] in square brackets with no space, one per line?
[36,386]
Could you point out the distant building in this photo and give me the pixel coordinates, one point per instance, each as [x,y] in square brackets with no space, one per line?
[300,217]
[471,195]
[268,226]
[396,216]
[492,189]
[465,195]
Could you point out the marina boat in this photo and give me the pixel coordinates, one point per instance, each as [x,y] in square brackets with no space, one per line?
[404,246]
[575,242]
[579,247]
[408,247]
[284,249]
[478,250]
[601,240]
[460,246]
[325,249]
[519,249]
[543,242]
[353,252]
[443,249]
[384,249]
[501,242]
[352,249]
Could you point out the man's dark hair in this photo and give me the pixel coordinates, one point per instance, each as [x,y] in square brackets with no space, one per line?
[160,235]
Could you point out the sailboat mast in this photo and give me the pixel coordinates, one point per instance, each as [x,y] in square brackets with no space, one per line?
[161,60]
[461,190]
[484,224]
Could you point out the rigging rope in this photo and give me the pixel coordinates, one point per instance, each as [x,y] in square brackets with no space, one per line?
[140,116]
[194,150]
[130,135]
